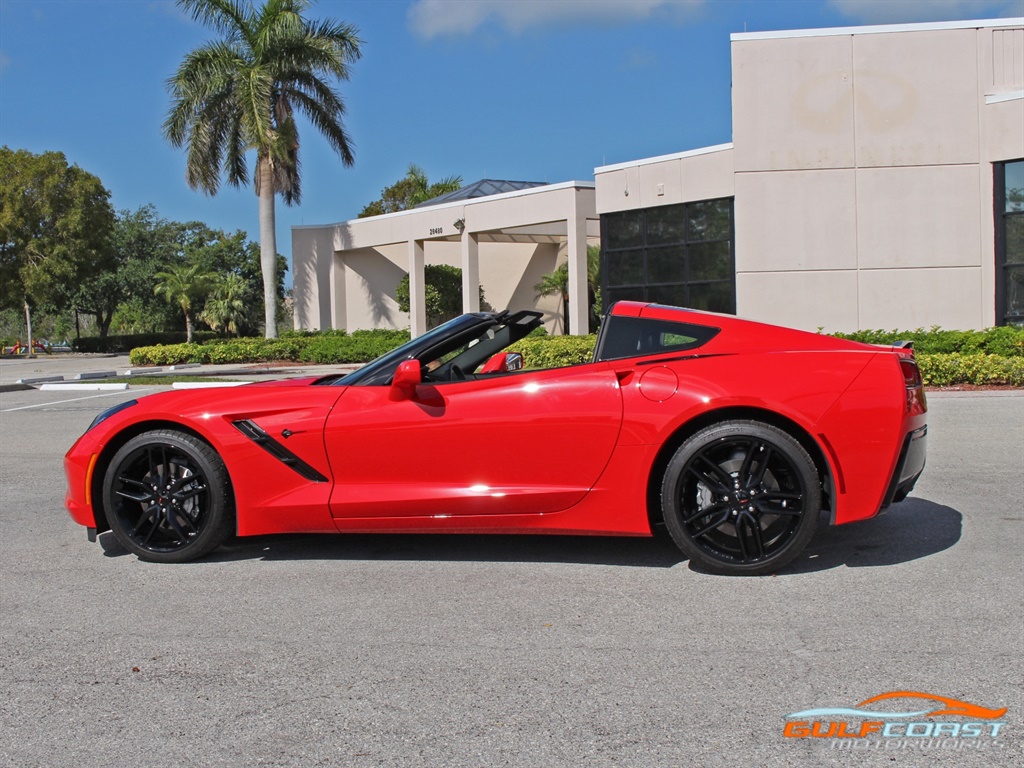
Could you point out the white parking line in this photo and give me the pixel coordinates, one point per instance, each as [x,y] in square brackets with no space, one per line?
[58,402]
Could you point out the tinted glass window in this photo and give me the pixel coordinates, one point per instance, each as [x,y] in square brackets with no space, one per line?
[1009,215]
[680,255]
[633,336]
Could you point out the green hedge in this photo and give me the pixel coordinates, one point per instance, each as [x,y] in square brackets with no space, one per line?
[1007,341]
[334,347]
[330,347]
[126,343]
[555,351]
[945,370]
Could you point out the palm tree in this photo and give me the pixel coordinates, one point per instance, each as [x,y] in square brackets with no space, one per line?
[557,284]
[409,191]
[241,93]
[185,285]
[225,309]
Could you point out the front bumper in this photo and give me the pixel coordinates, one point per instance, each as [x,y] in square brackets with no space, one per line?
[79,465]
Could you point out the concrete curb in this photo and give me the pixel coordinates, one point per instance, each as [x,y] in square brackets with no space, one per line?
[72,387]
[95,375]
[206,384]
[40,379]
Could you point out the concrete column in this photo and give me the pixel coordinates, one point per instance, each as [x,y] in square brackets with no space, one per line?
[339,297]
[579,303]
[417,297]
[470,273]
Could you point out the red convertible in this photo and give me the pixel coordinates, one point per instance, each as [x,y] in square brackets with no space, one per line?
[733,435]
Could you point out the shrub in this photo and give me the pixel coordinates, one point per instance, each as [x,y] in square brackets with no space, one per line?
[555,351]
[946,369]
[323,348]
[128,342]
[1007,341]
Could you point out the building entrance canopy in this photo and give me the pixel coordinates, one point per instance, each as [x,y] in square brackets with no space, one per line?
[562,216]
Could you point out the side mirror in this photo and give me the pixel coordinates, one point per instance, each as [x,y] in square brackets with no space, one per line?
[503,362]
[407,377]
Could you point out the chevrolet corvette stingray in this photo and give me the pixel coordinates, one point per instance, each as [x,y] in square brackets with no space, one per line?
[734,436]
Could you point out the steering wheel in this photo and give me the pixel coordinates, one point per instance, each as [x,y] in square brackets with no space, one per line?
[456,374]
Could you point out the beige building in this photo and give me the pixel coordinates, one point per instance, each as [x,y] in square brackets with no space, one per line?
[345,274]
[875,180]
[870,184]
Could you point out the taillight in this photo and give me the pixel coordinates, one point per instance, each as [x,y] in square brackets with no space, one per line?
[911,373]
[914,383]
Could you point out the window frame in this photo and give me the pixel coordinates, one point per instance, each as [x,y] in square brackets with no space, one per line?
[1002,265]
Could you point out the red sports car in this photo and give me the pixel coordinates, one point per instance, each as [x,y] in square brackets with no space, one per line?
[731,434]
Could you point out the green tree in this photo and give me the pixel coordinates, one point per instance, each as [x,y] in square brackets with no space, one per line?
[557,284]
[55,229]
[409,191]
[442,292]
[226,308]
[241,93]
[185,285]
[142,244]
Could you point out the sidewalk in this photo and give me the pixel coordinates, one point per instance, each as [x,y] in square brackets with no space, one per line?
[70,365]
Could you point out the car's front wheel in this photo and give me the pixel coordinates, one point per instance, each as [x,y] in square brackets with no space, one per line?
[741,498]
[168,497]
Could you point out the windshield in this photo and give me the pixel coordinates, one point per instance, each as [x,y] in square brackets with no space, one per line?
[380,371]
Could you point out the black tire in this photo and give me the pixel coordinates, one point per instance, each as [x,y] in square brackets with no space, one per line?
[168,497]
[741,498]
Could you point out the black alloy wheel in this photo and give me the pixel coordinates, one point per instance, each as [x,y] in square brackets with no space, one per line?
[167,497]
[741,498]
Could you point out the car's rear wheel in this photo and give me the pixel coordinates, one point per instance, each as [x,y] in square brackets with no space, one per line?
[168,497]
[741,498]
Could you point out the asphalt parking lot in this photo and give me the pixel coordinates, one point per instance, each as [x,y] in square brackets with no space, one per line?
[506,651]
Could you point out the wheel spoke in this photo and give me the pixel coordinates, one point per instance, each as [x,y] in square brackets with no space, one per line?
[706,511]
[740,540]
[748,462]
[714,483]
[712,526]
[762,466]
[147,514]
[146,495]
[755,533]
[189,493]
[172,521]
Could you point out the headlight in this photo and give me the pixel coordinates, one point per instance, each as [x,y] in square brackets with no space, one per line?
[110,412]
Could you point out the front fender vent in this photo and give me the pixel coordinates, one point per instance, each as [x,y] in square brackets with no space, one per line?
[254,432]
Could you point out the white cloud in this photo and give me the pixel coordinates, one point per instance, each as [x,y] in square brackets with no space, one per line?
[452,18]
[909,11]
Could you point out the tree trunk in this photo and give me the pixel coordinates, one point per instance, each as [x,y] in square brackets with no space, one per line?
[188,327]
[28,328]
[103,319]
[268,247]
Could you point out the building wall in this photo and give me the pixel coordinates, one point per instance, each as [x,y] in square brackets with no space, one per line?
[861,166]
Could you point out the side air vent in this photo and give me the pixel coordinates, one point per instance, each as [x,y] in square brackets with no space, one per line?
[255,433]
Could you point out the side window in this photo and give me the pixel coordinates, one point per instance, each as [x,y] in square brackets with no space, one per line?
[633,336]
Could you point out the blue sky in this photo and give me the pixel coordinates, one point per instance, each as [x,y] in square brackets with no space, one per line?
[537,90]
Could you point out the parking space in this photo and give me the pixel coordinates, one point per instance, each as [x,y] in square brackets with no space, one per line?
[520,651]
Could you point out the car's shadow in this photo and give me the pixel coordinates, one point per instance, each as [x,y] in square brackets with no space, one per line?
[911,530]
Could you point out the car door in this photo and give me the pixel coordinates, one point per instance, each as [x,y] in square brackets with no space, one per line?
[524,443]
